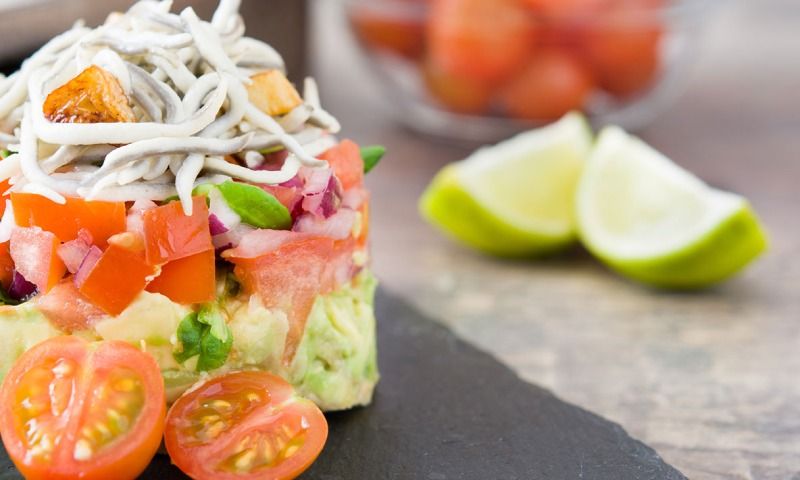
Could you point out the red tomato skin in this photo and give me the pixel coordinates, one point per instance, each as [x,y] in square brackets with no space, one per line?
[459,94]
[625,59]
[171,235]
[401,36]
[6,265]
[482,40]
[288,277]
[126,459]
[35,255]
[101,219]
[67,309]
[198,458]
[117,278]
[187,280]
[347,164]
[552,84]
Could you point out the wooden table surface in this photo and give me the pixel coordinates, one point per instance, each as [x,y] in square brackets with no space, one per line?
[709,379]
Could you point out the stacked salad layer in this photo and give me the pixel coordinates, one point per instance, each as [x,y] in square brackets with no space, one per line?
[165,184]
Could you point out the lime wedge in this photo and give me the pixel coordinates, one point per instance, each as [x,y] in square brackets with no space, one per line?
[654,222]
[516,198]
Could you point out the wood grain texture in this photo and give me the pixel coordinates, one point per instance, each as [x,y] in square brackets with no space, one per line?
[709,379]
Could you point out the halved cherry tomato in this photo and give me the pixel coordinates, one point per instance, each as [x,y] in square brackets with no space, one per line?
[118,276]
[66,307]
[484,40]
[287,271]
[73,409]
[551,85]
[6,266]
[35,256]
[170,235]
[390,33]
[458,93]
[347,164]
[244,426]
[101,219]
[187,280]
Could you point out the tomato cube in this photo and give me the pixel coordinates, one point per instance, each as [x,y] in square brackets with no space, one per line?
[6,266]
[100,219]
[118,276]
[187,280]
[170,235]
[35,255]
[347,164]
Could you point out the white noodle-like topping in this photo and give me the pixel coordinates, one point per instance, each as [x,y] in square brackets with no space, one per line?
[186,80]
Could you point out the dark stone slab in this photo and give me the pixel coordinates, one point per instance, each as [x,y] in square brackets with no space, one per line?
[445,410]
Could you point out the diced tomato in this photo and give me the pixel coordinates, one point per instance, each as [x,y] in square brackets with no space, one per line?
[70,409]
[347,164]
[187,280]
[339,267]
[35,256]
[458,93]
[101,219]
[4,186]
[484,40]
[67,308]
[390,33]
[171,235]
[288,276]
[6,266]
[363,235]
[552,84]
[119,275]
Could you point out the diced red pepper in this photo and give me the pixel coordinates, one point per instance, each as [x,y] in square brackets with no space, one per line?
[171,235]
[100,219]
[347,164]
[119,275]
[6,266]
[35,256]
[187,280]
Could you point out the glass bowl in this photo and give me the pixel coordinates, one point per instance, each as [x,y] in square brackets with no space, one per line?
[481,70]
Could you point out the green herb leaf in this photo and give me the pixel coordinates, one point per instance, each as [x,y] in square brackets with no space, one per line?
[371,156]
[206,335]
[202,190]
[4,153]
[218,339]
[255,206]
[190,332]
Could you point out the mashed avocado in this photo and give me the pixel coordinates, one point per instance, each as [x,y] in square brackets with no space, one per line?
[335,365]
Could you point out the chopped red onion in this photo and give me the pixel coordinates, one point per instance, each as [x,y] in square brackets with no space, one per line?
[322,191]
[21,289]
[91,258]
[232,237]
[338,226]
[134,222]
[215,225]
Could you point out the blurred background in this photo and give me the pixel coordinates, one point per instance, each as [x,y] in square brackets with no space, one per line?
[710,378]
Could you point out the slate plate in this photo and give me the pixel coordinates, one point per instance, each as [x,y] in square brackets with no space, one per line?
[445,410]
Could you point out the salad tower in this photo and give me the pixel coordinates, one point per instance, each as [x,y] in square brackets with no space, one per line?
[166,187]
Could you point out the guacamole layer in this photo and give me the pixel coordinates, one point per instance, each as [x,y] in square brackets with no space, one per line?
[335,365]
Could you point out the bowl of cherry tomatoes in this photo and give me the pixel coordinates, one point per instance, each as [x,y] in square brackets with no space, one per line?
[483,69]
